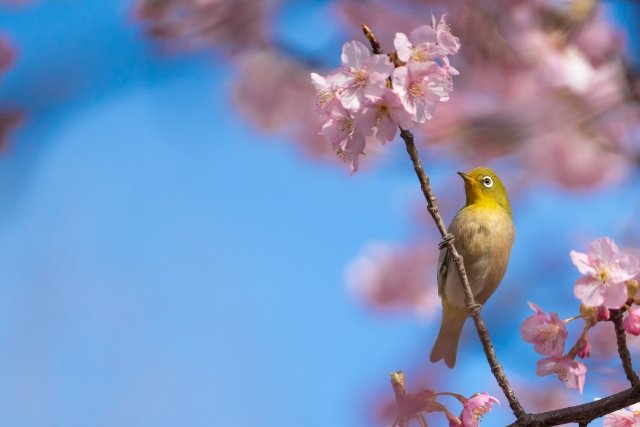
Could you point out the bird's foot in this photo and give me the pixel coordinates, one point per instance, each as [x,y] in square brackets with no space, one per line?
[448,238]
[475,309]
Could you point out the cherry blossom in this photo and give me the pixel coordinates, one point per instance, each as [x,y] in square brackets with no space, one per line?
[605,272]
[344,136]
[385,115]
[391,277]
[427,43]
[421,86]
[363,75]
[325,93]
[631,323]
[569,371]
[474,408]
[547,333]
[365,100]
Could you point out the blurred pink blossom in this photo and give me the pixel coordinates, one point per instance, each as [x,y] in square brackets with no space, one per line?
[9,119]
[384,20]
[7,54]
[603,340]
[548,398]
[569,371]
[605,272]
[195,24]
[278,98]
[389,277]
[621,418]
[547,333]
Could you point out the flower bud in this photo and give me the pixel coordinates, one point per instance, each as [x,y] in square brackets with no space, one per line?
[584,347]
[631,323]
[603,313]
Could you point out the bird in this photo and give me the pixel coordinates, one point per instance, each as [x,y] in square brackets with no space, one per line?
[483,233]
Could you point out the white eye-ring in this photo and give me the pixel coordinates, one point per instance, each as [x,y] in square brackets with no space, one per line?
[487,181]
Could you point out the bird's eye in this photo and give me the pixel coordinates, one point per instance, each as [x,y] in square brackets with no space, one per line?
[487,181]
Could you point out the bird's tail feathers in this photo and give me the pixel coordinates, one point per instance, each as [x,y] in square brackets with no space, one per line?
[446,345]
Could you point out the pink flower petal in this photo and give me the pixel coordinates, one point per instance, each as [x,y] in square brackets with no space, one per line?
[587,290]
[628,267]
[403,46]
[602,250]
[535,307]
[423,34]
[355,54]
[581,261]
[614,295]
[380,67]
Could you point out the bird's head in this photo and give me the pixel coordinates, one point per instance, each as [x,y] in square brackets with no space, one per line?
[483,188]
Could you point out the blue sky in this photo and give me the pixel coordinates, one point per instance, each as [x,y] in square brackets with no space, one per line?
[164,264]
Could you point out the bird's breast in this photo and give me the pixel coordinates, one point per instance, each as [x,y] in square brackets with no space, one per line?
[483,236]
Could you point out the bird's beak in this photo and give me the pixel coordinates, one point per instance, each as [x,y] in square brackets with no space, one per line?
[464,176]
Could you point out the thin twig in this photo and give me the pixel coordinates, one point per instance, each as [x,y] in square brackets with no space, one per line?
[623,350]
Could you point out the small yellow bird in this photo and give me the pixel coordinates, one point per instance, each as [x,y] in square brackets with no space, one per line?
[483,232]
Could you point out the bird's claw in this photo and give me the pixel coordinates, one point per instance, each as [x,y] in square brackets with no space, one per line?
[448,238]
[475,309]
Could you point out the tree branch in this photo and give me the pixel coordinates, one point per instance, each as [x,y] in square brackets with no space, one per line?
[623,350]
[474,308]
[581,414]
[584,413]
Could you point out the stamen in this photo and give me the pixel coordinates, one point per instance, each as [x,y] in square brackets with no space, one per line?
[415,90]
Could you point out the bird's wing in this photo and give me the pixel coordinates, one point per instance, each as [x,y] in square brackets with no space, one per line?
[443,266]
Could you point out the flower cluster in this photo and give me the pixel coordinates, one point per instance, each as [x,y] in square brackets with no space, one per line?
[369,97]
[412,405]
[548,334]
[605,274]
[607,283]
